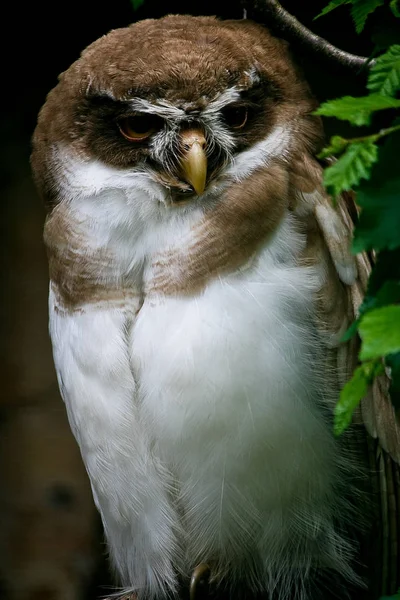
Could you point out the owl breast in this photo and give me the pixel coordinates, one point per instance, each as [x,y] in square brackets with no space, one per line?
[201,415]
[230,389]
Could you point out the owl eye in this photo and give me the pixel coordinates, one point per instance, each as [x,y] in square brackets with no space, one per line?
[235,116]
[139,127]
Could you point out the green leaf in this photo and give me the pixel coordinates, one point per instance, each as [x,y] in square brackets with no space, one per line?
[351,331]
[379,223]
[350,396]
[137,4]
[349,169]
[380,332]
[384,76]
[395,8]
[331,6]
[356,110]
[388,294]
[360,11]
[336,146]
[352,393]
[367,304]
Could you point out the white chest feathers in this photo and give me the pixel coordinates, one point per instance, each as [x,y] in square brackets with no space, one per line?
[203,424]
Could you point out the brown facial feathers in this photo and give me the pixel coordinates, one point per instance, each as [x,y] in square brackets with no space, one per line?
[228,236]
[147,61]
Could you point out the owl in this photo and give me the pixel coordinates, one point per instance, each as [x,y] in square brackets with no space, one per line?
[200,283]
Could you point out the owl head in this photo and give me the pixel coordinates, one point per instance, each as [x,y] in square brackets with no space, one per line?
[182,103]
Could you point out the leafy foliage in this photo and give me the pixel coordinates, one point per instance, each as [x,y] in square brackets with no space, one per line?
[379,224]
[360,11]
[370,165]
[395,8]
[352,393]
[351,167]
[357,111]
[380,332]
[331,6]
[385,75]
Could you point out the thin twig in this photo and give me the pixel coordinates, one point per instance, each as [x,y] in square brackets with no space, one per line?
[276,17]
[345,143]
[375,136]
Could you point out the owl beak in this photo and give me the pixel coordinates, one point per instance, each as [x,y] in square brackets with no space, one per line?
[194,159]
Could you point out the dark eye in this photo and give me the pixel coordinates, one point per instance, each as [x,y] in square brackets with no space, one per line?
[139,127]
[235,116]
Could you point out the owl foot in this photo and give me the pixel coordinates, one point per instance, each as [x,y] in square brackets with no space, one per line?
[199,582]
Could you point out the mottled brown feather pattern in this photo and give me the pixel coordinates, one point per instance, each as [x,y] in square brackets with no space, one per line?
[79,275]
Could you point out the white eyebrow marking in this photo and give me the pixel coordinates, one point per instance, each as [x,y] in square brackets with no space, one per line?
[167,110]
[227,97]
[163,108]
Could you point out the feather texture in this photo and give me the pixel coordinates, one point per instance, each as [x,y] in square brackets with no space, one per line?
[197,343]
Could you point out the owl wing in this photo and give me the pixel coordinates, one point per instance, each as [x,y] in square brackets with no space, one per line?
[92,355]
[376,431]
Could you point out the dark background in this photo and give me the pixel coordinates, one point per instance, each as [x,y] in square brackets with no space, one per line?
[43,491]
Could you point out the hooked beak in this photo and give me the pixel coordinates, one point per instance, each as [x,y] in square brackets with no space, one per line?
[194,159]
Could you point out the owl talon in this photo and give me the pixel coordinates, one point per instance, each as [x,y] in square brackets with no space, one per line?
[199,579]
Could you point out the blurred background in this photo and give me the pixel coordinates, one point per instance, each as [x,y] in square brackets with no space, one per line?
[51,544]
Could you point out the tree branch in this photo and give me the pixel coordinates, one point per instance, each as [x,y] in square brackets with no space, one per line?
[273,15]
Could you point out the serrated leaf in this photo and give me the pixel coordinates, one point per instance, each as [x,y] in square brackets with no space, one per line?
[331,6]
[350,396]
[351,167]
[379,223]
[336,146]
[357,111]
[380,332]
[360,11]
[384,77]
